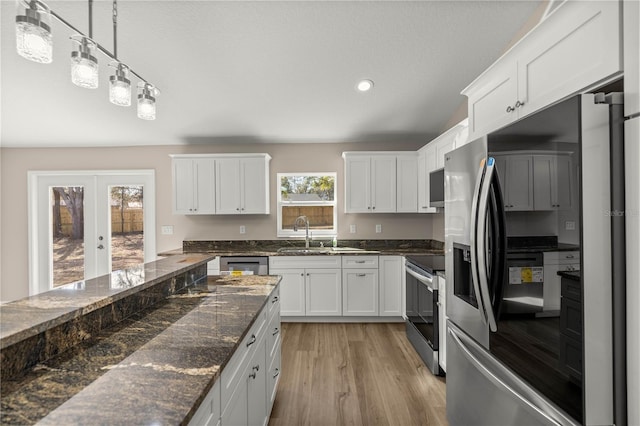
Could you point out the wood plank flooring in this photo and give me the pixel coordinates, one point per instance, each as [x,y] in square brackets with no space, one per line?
[354,374]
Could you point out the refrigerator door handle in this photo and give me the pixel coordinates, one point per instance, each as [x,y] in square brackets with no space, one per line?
[495,379]
[481,249]
[473,239]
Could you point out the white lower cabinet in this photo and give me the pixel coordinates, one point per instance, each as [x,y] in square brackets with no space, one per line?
[340,286]
[310,285]
[360,292]
[245,392]
[391,270]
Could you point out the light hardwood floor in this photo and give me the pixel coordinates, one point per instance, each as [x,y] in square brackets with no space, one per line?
[354,374]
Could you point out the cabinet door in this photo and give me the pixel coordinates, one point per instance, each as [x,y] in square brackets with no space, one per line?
[577,45]
[562,190]
[383,186]
[323,292]
[236,411]
[519,183]
[273,376]
[227,186]
[357,184]
[183,182]
[292,291]
[257,387]
[407,184]
[204,177]
[491,105]
[254,186]
[359,292]
[543,182]
[426,164]
[390,286]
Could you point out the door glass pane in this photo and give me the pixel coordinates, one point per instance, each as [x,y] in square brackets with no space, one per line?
[127,226]
[67,228]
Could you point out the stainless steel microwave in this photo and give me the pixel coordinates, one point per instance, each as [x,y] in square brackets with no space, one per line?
[436,188]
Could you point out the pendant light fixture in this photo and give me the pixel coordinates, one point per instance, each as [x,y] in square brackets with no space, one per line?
[34,41]
[147,102]
[33,31]
[119,83]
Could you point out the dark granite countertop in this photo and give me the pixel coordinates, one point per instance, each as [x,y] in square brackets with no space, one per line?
[154,367]
[271,247]
[572,275]
[29,316]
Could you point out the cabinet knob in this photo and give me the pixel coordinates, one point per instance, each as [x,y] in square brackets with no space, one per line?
[275,299]
[374,207]
[277,373]
[252,375]
[275,331]
[237,209]
[256,367]
[519,104]
[369,208]
[510,108]
[302,275]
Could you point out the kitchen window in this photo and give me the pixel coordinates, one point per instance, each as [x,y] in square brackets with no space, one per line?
[307,194]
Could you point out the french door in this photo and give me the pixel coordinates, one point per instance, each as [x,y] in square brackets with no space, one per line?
[85,224]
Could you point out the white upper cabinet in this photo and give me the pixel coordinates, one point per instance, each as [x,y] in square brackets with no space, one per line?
[552,182]
[516,178]
[576,47]
[193,185]
[407,183]
[370,182]
[242,185]
[221,184]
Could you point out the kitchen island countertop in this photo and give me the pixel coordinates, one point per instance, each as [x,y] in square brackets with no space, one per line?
[154,367]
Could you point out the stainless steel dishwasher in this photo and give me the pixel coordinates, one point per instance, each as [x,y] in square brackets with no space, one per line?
[258,265]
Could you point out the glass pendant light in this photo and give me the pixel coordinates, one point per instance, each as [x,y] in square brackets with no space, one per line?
[84,65]
[147,102]
[33,31]
[120,85]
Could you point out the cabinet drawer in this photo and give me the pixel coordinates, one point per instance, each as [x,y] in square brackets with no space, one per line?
[571,290]
[238,363]
[274,374]
[273,304]
[301,262]
[562,257]
[571,318]
[360,262]
[570,356]
[273,334]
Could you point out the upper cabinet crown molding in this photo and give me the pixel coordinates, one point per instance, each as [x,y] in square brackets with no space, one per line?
[220,183]
[576,48]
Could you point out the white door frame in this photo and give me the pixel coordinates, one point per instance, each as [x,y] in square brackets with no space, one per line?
[40,262]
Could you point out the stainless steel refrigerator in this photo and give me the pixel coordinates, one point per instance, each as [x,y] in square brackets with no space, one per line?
[547,175]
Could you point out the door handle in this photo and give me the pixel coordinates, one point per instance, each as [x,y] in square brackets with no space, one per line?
[480,244]
[473,239]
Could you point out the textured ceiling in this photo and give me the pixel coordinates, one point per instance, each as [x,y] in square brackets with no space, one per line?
[259,71]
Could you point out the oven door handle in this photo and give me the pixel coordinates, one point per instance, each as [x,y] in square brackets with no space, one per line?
[481,247]
[424,280]
[473,239]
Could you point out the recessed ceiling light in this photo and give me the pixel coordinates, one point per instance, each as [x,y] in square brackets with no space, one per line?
[364,85]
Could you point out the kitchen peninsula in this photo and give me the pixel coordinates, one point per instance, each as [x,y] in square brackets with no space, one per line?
[144,345]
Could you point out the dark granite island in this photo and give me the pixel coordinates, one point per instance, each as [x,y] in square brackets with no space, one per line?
[155,365]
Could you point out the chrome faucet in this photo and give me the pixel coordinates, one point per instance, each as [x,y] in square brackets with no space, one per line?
[306,224]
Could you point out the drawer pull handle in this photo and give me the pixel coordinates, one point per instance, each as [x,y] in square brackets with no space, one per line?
[252,341]
[360,261]
[277,373]
[276,331]
[569,256]
[275,299]
[256,367]
[361,275]
[252,375]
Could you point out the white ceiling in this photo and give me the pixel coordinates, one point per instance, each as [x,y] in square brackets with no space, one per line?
[259,71]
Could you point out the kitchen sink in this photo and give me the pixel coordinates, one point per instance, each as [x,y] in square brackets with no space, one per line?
[302,250]
[319,250]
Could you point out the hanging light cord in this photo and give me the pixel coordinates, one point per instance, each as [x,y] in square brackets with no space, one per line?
[115,29]
[100,48]
[91,19]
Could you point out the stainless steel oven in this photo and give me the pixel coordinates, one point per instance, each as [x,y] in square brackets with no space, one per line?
[422,313]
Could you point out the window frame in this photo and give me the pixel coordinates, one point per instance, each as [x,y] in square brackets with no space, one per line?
[287,233]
